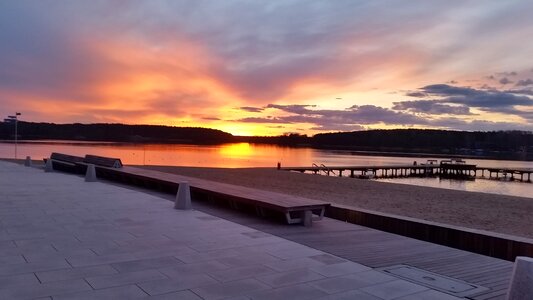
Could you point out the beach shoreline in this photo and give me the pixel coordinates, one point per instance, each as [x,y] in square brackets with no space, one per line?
[481,211]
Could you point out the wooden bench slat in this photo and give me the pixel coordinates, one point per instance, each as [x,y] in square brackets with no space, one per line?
[103,161]
[65,157]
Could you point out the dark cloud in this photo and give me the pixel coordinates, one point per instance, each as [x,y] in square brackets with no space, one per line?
[251,109]
[272,120]
[294,108]
[482,99]
[479,125]
[525,82]
[505,80]
[339,127]
[211,118]
[528,92]
[359,117]
[448,90]
[433,107]
[513,73]
[488,87]
[352,118]
[416,94]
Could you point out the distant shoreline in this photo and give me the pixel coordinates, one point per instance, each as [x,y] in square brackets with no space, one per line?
[512,145]
[344,150]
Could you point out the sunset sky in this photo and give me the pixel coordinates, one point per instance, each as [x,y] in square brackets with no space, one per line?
[270,67]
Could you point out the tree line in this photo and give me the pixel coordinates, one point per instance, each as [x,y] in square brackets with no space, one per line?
[114,133]
[396,140]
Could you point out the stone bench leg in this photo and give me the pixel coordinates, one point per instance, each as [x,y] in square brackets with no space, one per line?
[521,286]
[306,218]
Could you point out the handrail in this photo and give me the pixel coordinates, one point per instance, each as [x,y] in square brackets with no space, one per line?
[323,168]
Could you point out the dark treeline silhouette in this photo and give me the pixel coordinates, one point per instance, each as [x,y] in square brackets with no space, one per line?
[114,133]
[496,144]
[435,140]
[502,144]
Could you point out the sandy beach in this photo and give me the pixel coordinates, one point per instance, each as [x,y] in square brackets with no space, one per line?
[497,213]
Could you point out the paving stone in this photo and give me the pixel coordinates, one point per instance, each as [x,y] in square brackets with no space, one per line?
[295,253]
[144,264]
[194,268]
[35,243]
[247,260]
[75,273]
[6,241]
[185,282]
[45,289]
[293,292]
[12,259]
[290,278]
[105,281]
[17,280]
[72,246]
[122,292]
[162,252]
[350,295]
[86,260]
[229,289]
[328,259]
[183,295]
[205,256]
[393,289]
[429,295]
[354,281]
[294,264]
[256,234]
[35,257]
[241,273]
[340,269]
[13,269]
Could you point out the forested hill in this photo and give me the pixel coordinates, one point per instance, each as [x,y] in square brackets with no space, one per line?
[496,144]
[427,140]
[115,133]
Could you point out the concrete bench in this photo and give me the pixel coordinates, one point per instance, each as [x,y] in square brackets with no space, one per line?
[294,209]
[103,161]
[64,162]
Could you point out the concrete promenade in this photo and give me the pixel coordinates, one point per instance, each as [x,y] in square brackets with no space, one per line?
[63,238]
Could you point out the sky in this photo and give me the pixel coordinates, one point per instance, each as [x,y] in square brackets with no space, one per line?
[270,67]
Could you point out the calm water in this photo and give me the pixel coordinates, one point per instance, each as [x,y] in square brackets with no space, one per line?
[249,155]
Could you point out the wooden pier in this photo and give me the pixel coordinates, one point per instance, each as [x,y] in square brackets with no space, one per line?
[448,169]
[507,173]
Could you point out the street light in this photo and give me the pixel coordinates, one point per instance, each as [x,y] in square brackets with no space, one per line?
[14,119]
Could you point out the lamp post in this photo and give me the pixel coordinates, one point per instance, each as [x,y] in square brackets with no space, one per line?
[15,119]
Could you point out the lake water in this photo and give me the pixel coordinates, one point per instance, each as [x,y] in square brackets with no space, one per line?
[244,155]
